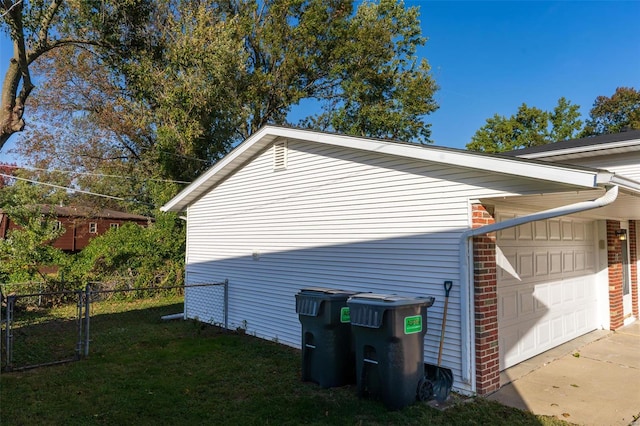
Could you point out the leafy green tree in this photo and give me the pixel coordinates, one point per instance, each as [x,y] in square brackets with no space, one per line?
[27,249]
[565,121]
[382,90]
[530,126]
[208,75]
[614,114]
[37,28]
[138,256]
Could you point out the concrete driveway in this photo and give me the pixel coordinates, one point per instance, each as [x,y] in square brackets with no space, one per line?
[594,380]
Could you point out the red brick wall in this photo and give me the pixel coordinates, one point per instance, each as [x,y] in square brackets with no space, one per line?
[614,258]
[486,305]
[633,255]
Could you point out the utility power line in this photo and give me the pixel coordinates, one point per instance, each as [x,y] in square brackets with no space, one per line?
[111,197]
[92,174]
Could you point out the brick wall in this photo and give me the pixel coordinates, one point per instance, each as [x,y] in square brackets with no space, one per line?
[633,255]
[486,305]
[614,259]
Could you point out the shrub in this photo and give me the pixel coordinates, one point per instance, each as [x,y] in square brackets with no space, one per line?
[132,256]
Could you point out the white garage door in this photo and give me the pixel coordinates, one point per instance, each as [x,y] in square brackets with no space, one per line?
[546,286]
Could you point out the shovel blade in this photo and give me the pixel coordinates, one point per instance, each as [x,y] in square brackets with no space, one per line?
[442,380]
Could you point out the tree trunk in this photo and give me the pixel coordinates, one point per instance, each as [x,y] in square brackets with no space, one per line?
[12,106]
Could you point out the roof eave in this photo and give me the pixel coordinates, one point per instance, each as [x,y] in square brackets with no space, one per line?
[590,149]
[580,177]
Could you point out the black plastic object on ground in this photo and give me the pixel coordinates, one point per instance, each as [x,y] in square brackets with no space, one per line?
[327,348]
[442,378]
[388,332]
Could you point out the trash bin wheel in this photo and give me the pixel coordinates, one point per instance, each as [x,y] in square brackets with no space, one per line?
[425,390]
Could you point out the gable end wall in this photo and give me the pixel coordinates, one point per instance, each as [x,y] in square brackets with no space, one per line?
[337,218]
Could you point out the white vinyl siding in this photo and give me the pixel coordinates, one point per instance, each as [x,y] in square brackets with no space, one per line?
[627,165]
[339,218]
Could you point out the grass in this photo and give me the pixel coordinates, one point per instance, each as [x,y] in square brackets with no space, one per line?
[144,371]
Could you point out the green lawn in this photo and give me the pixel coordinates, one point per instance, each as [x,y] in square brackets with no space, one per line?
[144,371]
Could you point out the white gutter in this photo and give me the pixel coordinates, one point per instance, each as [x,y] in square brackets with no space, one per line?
[626,183]
[468,327]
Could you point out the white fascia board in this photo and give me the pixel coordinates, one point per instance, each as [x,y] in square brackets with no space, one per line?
[548,172]
[261,139]
[507,165]
[582,149]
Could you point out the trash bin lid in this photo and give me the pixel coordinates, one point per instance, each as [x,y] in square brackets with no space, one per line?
[308,300]
[327,292]
[390,300]
[367,309]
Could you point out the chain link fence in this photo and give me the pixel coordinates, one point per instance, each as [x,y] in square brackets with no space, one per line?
[45,328]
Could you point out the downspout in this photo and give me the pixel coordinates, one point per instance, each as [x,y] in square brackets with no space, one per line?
[466,276]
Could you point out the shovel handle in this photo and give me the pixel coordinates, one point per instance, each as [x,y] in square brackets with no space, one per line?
[447,290]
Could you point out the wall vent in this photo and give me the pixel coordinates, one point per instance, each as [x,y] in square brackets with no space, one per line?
[280,156]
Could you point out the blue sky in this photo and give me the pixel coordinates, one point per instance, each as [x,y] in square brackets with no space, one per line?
[490,57]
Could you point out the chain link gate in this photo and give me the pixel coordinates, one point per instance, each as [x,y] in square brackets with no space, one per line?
[31,336]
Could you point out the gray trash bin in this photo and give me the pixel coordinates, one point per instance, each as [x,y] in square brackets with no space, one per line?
[388,332]
[327,348]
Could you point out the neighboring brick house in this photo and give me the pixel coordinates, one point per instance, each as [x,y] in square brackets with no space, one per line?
[81,224]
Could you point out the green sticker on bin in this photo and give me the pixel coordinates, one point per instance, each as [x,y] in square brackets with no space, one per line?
[413,324]
[345,316]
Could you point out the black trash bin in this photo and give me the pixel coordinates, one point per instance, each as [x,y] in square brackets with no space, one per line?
[327,348]
[388,332]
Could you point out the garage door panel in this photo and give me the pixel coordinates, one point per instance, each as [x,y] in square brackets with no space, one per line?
[555,260]
[525,232]
[507,266]
[567,262]
[525,265]
[508,307]
[557,329]
[590,259]
[580,262]
[555,290]
[581,320]
[540,231]
[554,230]
[521,304]
[527,341]
[541,264]
[542,297]
[568,295]
[509,339]
[549,296]
[567,229]
[544,334]
[570,323]
[527,303]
